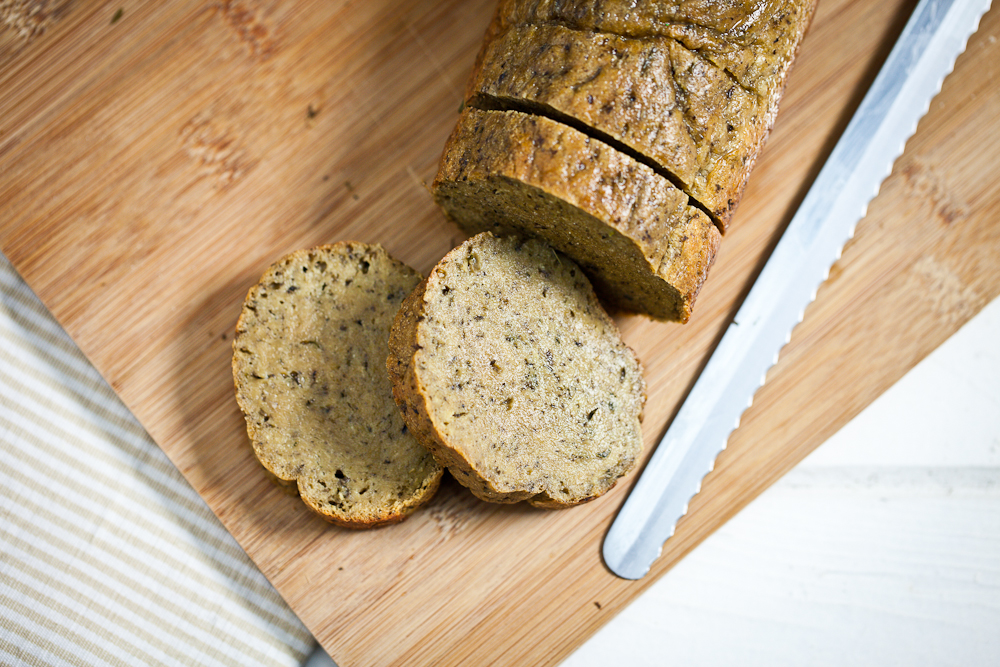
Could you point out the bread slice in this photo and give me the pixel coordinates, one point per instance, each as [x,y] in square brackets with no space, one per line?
[643,246]
[652,98]
[505,366]
[309,367]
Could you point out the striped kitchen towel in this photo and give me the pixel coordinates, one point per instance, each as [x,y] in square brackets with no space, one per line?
[107,555]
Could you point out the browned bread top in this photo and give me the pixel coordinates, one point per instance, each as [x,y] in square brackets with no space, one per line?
[506,366]
[309,368]
[754,41]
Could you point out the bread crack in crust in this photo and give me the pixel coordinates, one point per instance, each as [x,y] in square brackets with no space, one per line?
[753,41]
[309,368]
[505,365]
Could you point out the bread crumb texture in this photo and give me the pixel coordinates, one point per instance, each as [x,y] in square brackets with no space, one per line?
[309,368]
[506,366]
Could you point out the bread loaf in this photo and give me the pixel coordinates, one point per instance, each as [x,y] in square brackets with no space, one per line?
[643,246]
[686,88]
[505,365]
[309,368]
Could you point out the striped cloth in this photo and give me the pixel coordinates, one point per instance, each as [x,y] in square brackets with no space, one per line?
[107,555]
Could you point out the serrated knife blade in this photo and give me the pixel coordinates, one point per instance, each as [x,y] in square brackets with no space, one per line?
[912,75]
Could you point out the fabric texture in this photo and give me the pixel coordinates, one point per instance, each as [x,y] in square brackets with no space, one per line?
[107,555]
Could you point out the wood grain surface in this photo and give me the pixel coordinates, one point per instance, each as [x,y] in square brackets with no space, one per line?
[155,157]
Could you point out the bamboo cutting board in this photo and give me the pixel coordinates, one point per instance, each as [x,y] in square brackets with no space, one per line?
[155,157]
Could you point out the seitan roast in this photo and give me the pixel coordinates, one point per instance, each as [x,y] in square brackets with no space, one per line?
[653,98]
[754,41]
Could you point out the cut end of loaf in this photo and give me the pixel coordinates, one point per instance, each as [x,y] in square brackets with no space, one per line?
[644,248]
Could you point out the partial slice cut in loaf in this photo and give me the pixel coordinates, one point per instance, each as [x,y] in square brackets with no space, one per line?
[309,366]
[506,366]
[643,246]
[691,86]
[652,98]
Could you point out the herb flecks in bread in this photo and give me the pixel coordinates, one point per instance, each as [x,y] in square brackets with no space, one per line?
[643,246]
[309,367]
[505,365]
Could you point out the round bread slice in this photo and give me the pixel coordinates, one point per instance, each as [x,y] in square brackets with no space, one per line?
[506,367]
[309,367]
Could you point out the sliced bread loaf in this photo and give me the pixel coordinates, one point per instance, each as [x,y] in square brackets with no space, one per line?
[505,365]
[309,367]
[643,246]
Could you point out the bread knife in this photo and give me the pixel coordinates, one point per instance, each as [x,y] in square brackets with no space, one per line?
[922,57]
